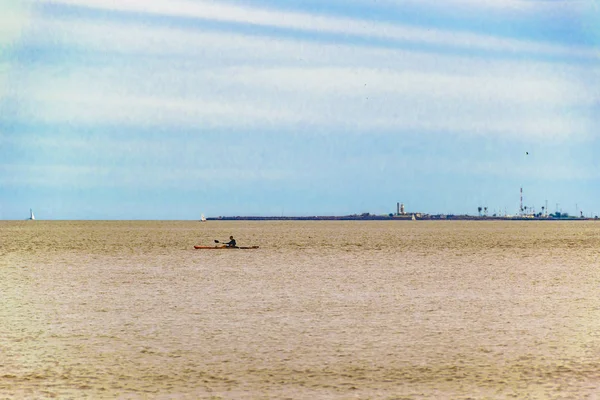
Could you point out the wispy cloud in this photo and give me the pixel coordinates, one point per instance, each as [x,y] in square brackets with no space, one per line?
[14,21]
[193,77]
[67,176]
[233,80]
[14,18]
[310,22]
[413,103]
[525,5]
[501,6]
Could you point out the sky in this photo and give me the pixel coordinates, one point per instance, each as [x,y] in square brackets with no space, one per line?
[169,109]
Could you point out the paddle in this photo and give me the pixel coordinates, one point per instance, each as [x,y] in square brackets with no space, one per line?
[216,241]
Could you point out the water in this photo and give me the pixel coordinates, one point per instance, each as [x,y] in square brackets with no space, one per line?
[328,310]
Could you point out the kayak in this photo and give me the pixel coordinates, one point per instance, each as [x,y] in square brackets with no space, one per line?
[225,248]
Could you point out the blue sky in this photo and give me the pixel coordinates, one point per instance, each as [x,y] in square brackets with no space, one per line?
[166,109]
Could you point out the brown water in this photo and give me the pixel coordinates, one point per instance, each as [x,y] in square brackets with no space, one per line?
[327,310]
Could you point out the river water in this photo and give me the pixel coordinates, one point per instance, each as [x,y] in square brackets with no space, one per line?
[324,309]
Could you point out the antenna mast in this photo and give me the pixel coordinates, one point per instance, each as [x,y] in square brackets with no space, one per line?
[521,201]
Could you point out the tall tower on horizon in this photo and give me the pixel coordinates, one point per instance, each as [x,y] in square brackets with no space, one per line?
[521,208]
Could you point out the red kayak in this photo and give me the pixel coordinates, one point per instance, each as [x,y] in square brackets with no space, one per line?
[225,248]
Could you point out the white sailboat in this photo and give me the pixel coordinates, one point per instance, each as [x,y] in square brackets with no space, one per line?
[202,218]
[413,217]
[31,216]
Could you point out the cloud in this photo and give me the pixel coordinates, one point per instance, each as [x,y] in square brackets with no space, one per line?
[546,171]
[170,77]
[338,25]
[414,92]
[503,6]
[14,19]
[523,5]
[90,107]
[61,176]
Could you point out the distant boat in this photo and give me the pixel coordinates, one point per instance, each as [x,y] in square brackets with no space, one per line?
[202,218]
[413,217]
[31,216]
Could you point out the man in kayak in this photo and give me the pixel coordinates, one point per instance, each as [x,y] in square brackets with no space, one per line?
[231,242]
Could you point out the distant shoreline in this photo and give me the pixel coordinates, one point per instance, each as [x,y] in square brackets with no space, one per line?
[370,217]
